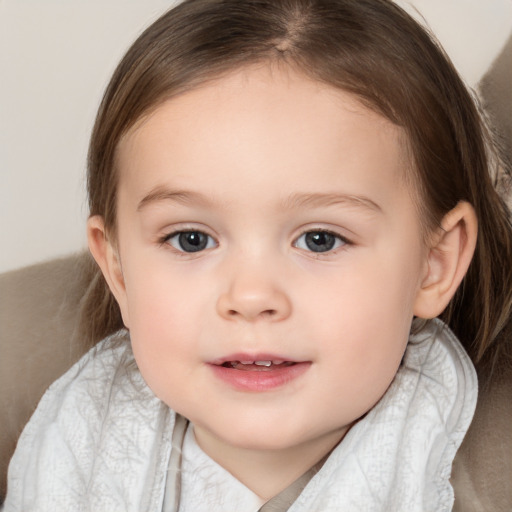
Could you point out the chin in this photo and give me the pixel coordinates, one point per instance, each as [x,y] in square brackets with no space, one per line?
[256,437]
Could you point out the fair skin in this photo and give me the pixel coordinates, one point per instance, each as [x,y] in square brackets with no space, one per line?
[256,167]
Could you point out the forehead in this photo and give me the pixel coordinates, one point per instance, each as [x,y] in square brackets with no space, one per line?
[261,120]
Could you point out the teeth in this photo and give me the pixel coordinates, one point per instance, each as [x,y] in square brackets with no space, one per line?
[266,363]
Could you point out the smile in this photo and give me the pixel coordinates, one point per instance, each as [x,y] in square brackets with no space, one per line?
[258,374]
[257,365]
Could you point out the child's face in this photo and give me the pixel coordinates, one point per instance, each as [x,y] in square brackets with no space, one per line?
[264,217]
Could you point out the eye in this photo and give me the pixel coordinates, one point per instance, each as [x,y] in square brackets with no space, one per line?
[319,241]
[190,241]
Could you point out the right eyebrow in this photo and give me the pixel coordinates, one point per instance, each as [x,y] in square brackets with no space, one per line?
[161,193]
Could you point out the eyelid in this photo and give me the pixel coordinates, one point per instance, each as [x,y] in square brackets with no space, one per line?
[341,238]
[167,232]
[166,238]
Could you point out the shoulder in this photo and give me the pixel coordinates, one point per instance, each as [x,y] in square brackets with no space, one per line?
[82,419]
[81,393]
[482,469]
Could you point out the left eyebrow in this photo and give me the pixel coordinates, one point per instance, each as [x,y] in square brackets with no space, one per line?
[297,201]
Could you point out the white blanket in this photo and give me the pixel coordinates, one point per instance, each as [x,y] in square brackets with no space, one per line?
[101,441]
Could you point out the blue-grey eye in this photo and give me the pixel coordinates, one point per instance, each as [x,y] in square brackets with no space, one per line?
[319,241]
[191,241]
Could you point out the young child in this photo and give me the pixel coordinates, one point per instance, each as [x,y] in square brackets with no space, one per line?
[282,194]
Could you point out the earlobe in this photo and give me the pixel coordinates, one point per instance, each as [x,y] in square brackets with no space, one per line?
[448,260]
[106,255]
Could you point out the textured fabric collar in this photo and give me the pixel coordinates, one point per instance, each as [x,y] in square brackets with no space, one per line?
[108,439]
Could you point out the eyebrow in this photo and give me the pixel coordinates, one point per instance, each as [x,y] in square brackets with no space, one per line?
[160,193]
[295,201]
[298,201]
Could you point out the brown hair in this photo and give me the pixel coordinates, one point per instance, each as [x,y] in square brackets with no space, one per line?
[370,48]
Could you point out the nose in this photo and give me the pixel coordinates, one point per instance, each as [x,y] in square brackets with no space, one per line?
[253,295]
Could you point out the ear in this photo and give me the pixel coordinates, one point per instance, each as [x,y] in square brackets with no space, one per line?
[448,260]
[106,255]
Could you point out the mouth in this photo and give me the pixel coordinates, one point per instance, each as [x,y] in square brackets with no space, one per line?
[258,366]
[259,373]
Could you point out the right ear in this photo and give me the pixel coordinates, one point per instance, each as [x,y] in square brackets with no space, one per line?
[107,257]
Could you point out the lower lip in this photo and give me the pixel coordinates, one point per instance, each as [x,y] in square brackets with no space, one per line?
[247,380]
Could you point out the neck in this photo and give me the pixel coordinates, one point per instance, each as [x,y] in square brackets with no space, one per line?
[267,472]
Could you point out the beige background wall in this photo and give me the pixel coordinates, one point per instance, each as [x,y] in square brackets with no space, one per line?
[56,57]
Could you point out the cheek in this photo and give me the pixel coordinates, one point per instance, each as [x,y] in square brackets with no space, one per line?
[362,327]
[369,296]
[366,353]
[164,322]
[158,293]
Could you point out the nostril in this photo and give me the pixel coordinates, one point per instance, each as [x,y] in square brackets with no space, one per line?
[266,312]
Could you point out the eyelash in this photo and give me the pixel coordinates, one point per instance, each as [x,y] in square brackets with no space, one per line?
[176,234]
[338,240]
